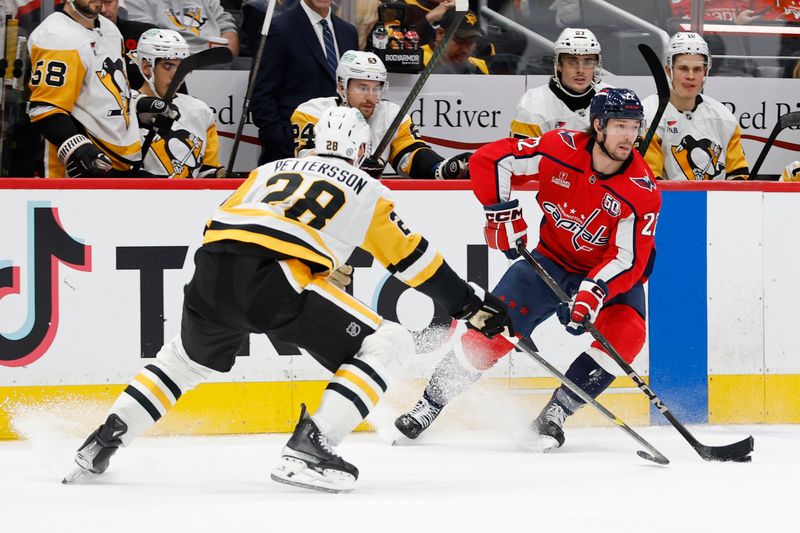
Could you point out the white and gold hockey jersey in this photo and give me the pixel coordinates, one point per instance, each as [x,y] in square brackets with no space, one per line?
[703,144]
[540,110]
[401,150]
[190,144]
[81,72]
[318,209]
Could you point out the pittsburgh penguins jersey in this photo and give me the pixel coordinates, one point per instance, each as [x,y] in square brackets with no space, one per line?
[81,73]
[196,20]
[548,107]
[191,143]
[703,144]
[318,209]
[602,226]
[401,151]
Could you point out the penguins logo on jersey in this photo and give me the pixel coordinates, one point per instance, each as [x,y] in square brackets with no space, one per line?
[114,79]
[698,159]
[189,19]
[179,152]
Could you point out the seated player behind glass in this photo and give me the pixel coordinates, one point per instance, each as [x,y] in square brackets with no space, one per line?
[564,102]
[268,264]
[697,138]
[186,144]
[458,57]
[361,83]
[596,238]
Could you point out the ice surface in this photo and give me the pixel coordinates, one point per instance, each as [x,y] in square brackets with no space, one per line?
[447,481]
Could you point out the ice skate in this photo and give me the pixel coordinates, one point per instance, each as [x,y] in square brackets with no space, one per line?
[549,426]
[94,455]
[418,419]
[308,460]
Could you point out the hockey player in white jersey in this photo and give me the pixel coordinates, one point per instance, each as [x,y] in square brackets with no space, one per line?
[698,138]
[361,83]
[186,144]
[564,102]
[266,265]
[80,98]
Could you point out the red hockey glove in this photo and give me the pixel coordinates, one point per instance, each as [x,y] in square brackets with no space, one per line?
[504,227]
[584,305]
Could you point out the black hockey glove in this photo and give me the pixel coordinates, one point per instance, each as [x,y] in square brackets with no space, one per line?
[154,112]
[454,168]
[82,159]
[373,166]
[486,313]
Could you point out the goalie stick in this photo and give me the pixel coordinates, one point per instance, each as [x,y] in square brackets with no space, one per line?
[527,346]
[784,121]
[662,89]
[461,9]
[738,451]
[212,56]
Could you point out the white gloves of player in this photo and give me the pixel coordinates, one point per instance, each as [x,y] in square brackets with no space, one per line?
[342,276]
[82,159]
[454,168]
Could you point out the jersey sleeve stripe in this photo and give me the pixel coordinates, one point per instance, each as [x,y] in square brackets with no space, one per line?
[410,259]
[426,273]
[625,244]
[523,130]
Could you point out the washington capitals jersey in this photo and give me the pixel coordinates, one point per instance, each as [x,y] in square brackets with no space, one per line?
[704,144]
[81,72]
[541,110]
[599,225]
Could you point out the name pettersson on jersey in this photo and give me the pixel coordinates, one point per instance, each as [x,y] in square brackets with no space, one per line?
[352,179]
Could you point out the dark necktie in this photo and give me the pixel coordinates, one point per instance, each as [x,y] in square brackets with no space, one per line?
[330,48]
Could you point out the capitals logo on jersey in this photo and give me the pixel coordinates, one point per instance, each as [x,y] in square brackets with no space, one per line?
[188,19]
[644,182]
[568,219]
[115,80]
[180,152]
[568,137]
[698,159]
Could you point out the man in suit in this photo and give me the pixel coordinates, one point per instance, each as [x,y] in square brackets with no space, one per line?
[299,63]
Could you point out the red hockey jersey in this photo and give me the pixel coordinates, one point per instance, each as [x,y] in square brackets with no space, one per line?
[600,225]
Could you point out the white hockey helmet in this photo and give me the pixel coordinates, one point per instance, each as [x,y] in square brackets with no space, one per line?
[579,42]
[356,65]
[685,42]
[155,44]
[342,132]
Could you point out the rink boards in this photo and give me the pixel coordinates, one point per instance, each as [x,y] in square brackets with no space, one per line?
[91,283]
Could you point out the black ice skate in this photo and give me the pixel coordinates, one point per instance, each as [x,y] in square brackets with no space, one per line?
[550,426]
[309,461]
[418,419]
[94,455]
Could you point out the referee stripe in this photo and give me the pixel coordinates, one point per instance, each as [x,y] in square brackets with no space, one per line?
[368,370]
[165,379]
[350,395]
[143,401]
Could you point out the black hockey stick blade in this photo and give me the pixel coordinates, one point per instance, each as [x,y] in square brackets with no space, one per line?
[737,452]
[784,121]
[662,89]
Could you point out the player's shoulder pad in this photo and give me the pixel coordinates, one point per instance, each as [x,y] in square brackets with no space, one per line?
[560,139]
[59,32]
[638,185]
[316,106]
[532,103]
[718,109]
[188,104]
[108,27]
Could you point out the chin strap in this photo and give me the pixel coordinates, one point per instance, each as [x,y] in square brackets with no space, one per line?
[80,13]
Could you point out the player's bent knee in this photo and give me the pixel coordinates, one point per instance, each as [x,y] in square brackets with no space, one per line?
[624,328]
[481,352]
[173,359]
[391,346]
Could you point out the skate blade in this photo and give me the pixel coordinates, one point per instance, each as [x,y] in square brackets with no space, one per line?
[528,441]
[77,473]
[295,472]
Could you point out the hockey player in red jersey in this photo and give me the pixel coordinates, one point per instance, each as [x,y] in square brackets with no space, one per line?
[601,206]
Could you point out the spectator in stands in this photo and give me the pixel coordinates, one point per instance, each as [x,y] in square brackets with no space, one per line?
[458,57]
[304,45]
[697,138]
[131,31]
[202,23]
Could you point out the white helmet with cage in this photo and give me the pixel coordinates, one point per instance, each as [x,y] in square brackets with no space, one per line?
[343,132]
[356,65]
[578,42]
[685,42]
[156,44]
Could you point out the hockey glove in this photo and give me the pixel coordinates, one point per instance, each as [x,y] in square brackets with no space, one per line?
[342,276]
[154,112]
[211,172]
[484,312]
[82,159]
[373,166]
[504,227]
[584,306]
[454,168]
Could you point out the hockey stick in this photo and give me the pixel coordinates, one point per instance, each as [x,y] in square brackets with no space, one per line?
[529,348]
[662,89]
[251,83]
[784,121]
[212,56]
[738,451]
[461,9]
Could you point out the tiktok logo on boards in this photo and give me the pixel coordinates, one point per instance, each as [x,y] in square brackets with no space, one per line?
[48,245]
